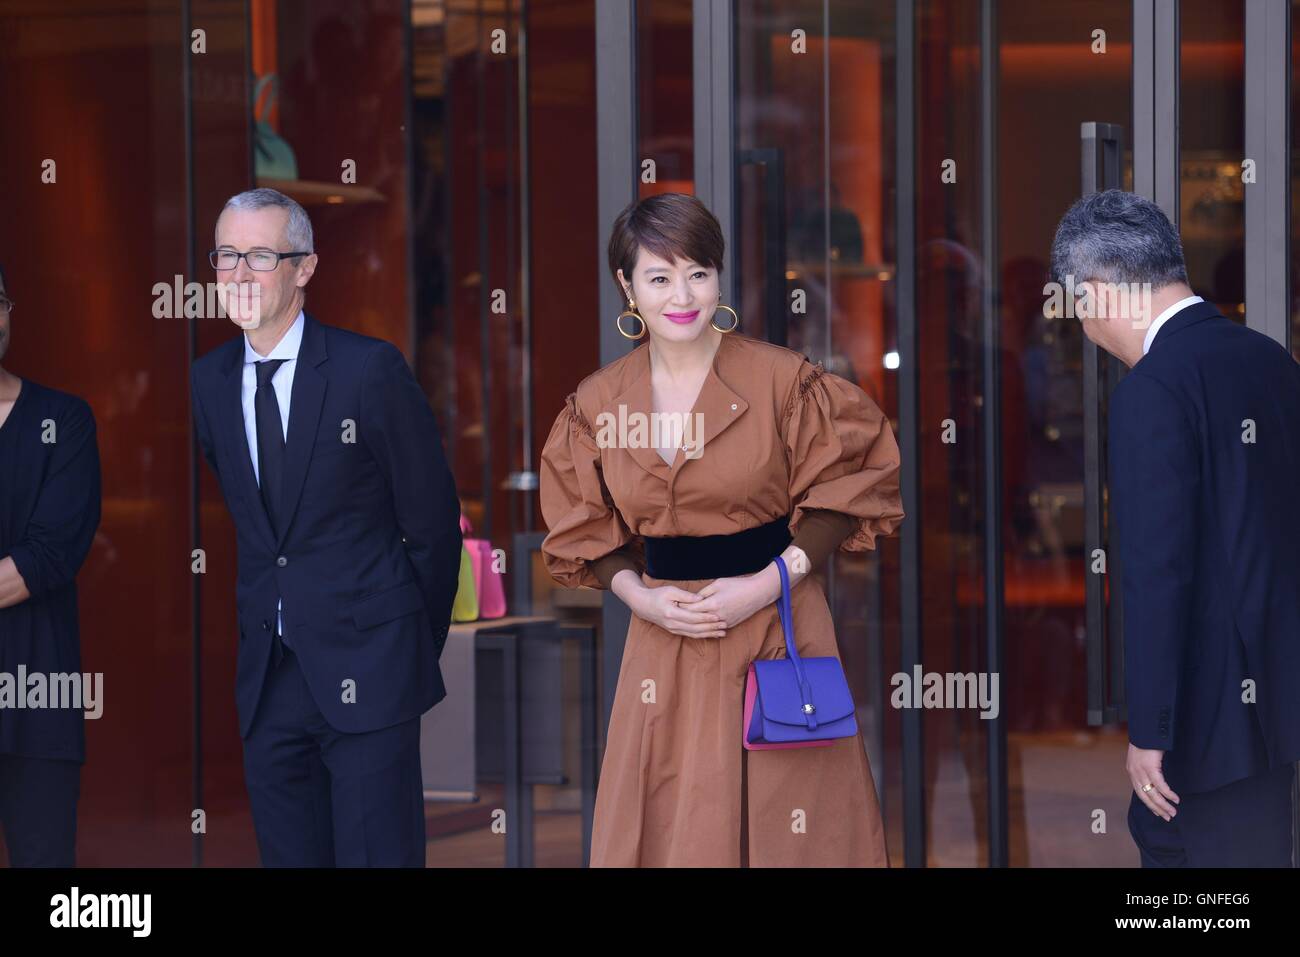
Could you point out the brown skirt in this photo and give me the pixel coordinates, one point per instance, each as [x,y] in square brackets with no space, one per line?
[677,787]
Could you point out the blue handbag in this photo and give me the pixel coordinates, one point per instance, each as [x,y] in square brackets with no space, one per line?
[795,702]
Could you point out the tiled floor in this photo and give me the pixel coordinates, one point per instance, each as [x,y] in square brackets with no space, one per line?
[461,835]
[1068,799]
[1061,789]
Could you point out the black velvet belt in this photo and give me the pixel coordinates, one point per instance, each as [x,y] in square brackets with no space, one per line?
[686,557]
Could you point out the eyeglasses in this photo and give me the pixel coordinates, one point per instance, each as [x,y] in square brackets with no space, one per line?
[6,306]
[260,260]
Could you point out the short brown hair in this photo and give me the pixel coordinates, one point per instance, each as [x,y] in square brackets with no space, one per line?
[670,225]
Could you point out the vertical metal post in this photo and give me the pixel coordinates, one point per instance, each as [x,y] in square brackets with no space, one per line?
[909,425]
[1155,102]
[525,480]
[486,272]
[771,163]
[1156,175]
[408,151]
[713,62]
[1268,199]
[1268,146]
[1102,159]
[827,265]
[450,184]
[991,425]
[616,140]
[191,335]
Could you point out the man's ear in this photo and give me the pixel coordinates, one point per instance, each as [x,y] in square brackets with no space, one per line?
[306,270]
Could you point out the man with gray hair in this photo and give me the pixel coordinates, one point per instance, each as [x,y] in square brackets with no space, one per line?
[348,526]
[1204,450]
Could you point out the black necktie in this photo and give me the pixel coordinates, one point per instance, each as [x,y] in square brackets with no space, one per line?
[270,440]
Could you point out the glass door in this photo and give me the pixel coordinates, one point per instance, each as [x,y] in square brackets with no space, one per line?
[813,255]
[972,112]
[1067,795]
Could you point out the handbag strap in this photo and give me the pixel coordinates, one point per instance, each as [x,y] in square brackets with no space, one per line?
[783,612]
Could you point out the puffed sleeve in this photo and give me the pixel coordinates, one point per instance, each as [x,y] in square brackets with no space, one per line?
[580,513]
[843,457]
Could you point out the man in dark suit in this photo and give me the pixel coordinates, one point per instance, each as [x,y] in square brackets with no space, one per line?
[347,522]
[1204,449]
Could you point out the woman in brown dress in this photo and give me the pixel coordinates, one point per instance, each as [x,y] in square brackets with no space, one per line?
[776,457]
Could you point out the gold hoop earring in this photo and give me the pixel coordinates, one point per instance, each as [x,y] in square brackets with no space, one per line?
[630,311]
[735,322]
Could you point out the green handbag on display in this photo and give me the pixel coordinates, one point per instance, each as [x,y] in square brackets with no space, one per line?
[273,157]
[465,607]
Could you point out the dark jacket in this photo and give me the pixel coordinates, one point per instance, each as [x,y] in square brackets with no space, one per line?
[49,511]
[1204,450]
[366,563]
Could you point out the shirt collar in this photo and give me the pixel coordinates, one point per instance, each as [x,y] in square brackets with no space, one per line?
[1164,317]
[286,348]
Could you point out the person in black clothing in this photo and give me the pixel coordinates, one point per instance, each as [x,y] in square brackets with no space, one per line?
[49,510]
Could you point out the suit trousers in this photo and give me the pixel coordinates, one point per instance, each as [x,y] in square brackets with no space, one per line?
[38,810]
[325,798]
[1246,823]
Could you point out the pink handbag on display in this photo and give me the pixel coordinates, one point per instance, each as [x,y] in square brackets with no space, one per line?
[488,584]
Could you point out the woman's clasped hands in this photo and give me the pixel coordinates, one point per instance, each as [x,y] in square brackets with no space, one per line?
[720,605]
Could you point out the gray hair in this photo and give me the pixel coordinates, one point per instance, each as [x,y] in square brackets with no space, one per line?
[297,233]
[1117,237]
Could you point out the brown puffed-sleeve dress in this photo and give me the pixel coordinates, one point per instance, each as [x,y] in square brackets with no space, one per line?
[780,437]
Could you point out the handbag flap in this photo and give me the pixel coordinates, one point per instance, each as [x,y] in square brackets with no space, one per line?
[778,691]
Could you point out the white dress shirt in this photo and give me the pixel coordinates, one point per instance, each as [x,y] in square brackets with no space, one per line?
[282,382]
[1164,317]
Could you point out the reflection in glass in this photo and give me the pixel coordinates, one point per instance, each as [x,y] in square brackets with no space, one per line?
[1212,141]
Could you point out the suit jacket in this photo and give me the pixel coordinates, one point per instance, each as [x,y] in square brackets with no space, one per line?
[1204,449]
[367,558]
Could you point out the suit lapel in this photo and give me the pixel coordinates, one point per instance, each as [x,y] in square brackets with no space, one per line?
[304,419]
